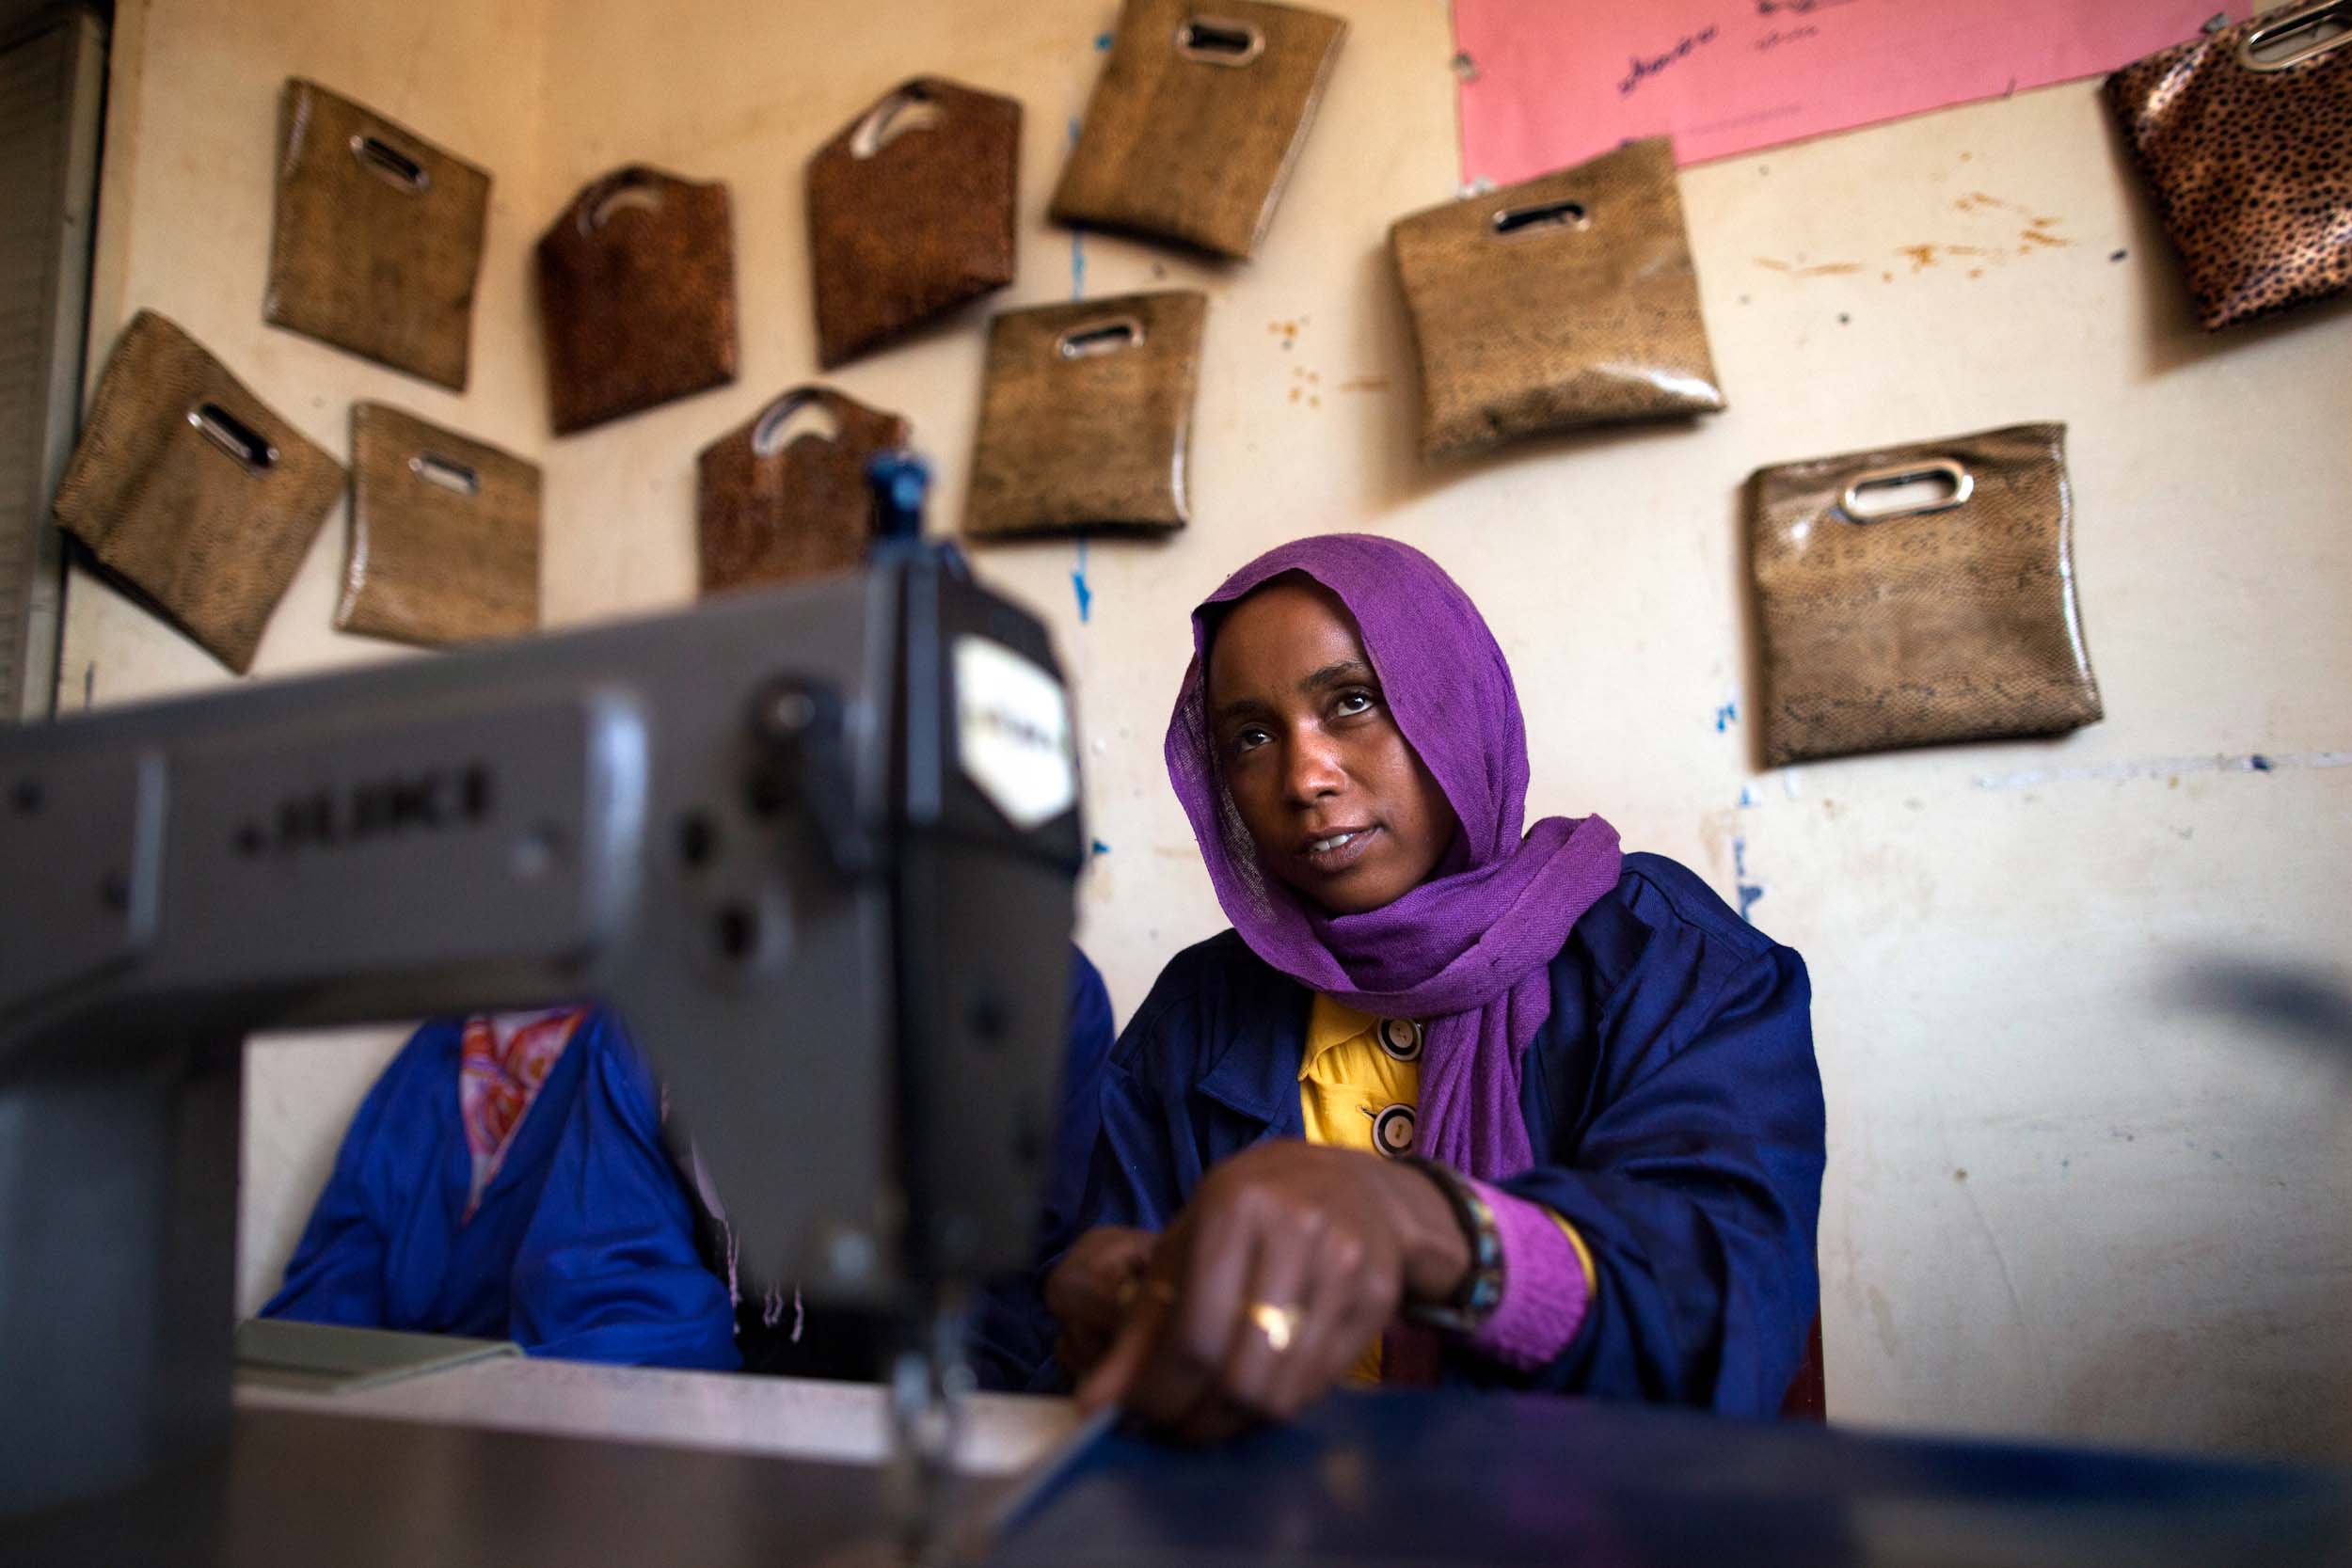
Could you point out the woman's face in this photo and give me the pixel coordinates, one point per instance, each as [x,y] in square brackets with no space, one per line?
[1337,801]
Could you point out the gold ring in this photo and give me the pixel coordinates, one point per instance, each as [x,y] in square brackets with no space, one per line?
[1132,1289]
[1278,1324]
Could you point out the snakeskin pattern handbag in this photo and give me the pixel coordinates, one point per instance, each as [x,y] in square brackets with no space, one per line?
[637,291]
[1197,119]
[1889,621]
[193,490]
[444,533]
[1566,300]
[377,239]
[910,212]
[784,495]
[1085,424]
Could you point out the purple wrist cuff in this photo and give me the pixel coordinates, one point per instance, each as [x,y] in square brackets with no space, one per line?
[1544,1293]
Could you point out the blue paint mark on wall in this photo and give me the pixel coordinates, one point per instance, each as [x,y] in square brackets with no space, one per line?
[1078,291]
[1078,240]
[1749,892]
[1726,715]
[1099,848]
[1101,43]
[1747,796]
[2259,763]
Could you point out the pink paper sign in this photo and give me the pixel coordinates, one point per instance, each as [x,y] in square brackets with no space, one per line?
[1551,83]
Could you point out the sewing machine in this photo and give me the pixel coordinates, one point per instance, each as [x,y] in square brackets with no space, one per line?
[816,844]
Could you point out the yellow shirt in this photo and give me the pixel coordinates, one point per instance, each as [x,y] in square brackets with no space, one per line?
[1360,1087]
[1357,1070]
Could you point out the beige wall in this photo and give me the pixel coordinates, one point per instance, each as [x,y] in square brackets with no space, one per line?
[2072,1190]
[183,228]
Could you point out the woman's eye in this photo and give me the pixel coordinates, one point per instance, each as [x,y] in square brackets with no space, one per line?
[1247,740]
[1355,702]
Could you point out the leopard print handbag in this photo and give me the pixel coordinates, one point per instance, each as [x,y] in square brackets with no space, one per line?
[2245,137]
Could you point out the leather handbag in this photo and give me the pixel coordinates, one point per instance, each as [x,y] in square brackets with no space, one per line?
[1197,119]
[637,291]
[910,212]
[1886,621]
[1567,300]
[444,534]
[194,491]
[2244,136]
[377,239]
[784,496]
[1086,423]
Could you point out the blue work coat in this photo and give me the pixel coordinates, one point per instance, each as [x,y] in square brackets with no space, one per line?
[1672,1100]
[585,1243]
[582,1245]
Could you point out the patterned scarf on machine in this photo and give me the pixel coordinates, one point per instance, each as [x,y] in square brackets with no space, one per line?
[504,1060]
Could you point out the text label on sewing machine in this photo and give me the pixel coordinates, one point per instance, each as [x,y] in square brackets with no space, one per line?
[374,808]
[1012,733]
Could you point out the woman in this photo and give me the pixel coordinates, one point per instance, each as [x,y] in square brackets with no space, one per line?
[1449,1104]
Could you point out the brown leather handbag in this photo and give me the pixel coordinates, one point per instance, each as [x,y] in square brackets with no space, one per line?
[193,490]
[377,239]
[1567,300]
[444,533]
[2245,138]
[1087,420]
[1889,621]
[1197,119]
[784,496]
[910,212]
[636,290]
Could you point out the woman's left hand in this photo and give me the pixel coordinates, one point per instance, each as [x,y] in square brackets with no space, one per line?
[1289,1260]
[1091,1290]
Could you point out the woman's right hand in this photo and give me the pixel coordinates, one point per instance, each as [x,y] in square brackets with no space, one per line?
[1091,1290]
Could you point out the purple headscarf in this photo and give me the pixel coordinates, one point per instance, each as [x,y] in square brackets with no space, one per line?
[1467,951]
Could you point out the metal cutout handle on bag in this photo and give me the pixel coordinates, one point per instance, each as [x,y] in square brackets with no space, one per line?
[1961,482]
[910,108]
[2273,45]
[633,187]
[1219,41]
[459,479]
[232,435]
[1088,339]
[799,415]
[391,165]
[1565,216]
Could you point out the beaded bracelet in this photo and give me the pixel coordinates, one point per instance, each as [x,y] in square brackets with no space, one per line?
[1481,1290]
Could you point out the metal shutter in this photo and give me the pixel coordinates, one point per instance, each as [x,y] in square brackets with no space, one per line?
[52,84]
